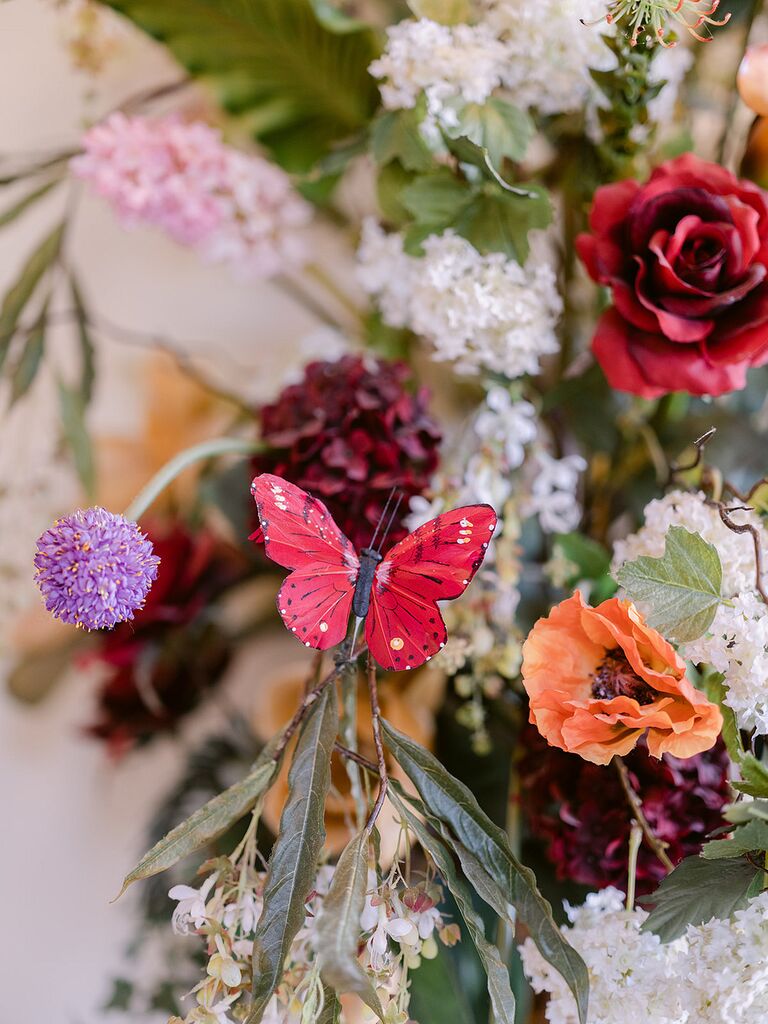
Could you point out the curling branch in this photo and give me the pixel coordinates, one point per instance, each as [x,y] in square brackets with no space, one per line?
[699,444]
[754,534]
[658,847]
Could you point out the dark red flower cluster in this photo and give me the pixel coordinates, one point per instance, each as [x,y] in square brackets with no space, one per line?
[579,809]
[686,259]
[158,667]
[348,433]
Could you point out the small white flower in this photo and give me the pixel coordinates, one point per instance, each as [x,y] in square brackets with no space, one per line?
[191,907]
[553,497]
[222,967]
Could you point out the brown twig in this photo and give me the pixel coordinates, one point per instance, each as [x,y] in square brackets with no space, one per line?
[352,755]
[636,807]
[754,534]
[373,691]
[699,444]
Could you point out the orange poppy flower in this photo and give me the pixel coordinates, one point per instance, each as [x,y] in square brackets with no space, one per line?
[598,678]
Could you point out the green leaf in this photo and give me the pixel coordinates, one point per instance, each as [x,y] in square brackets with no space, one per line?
[208,823]
[499,988]
[293,863]
[444,12]
[498,221]
[87,350]
[26,368]
[754,776]
[714,687]
[435,199]
[698,890]
[297,85]
[334,19]
[497,127]
[746,838]
[681,589]
[747,810]
[331,1012]
[19,207]
[21,291]
[338,928]
[72,413]
[455,807]
[391,182]
[395,135]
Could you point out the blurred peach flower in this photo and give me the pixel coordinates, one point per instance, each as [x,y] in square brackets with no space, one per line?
[599,678]
[752,79]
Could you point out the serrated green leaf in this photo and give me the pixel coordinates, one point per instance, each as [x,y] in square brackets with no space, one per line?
[293,863]
[498,127]
[754,776]
[745,839]
[455,807]
[72,413]
[298,86]
[26,201]
[395,135]
[338,927]
[444,12]
[698,890]
[681,590]
[23,288]
[26,368]
[208,823]
[498,221]
[499,988]
[746,810]
[434,200]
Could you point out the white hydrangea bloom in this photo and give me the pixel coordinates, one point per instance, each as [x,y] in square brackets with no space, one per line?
[456,63]
[482,312]
[549,51]
[553,486]
[737,641]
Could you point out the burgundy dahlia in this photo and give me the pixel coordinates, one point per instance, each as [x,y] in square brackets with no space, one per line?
[349,432]
[159,667]
[579,811]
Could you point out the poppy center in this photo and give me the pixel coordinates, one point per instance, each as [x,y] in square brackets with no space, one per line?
[615,677]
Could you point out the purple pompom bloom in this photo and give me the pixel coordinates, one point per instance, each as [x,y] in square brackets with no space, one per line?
[94,568]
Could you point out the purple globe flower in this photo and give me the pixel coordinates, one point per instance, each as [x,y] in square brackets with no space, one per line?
[94,568]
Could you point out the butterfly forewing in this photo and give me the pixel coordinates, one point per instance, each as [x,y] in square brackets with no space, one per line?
[299,533]
[435,563]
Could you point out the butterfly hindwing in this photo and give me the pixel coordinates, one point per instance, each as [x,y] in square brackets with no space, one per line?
[435,563]
[299,533]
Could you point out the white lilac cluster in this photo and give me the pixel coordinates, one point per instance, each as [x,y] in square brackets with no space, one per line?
[442,63]
[484,313]
[398,927]
[737,641]
[717,973]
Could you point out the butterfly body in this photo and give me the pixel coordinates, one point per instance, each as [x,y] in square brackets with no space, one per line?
[396,594]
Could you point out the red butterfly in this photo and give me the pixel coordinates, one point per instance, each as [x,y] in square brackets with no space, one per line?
[396,594]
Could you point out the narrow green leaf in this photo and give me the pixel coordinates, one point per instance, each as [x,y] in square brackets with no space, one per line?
[714,687]
[455,807]
[499,988]
[27,200]
[72,412]
[338,928]
[681,589]
[87,350]
[498,221]
[498,127]
[26,368]
[208,823]
[331,1013]
[395,135]
[698,890]
[293,862]
[746,838]
[21,291]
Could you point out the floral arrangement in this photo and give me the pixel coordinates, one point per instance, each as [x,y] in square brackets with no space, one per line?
[510,515]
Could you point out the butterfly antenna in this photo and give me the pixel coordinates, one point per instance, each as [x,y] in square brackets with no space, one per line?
[382,517]
[391,519]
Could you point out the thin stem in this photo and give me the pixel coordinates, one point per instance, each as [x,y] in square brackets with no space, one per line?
[349,737]
[353,755]
[756,541]
[699,444]
[302,298]
[373,691]
[165,476]
[635,840]
[327,282]
[636,807]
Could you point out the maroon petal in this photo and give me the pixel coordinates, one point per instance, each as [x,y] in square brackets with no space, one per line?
[667,209]
[676,328]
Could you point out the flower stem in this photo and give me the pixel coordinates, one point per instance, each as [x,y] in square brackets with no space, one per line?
[636,807]
[165,476]
[373,690]
[635,841]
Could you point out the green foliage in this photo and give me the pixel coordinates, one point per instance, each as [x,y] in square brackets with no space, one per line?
[698,890]
[209,822]
[746,838]
[458,813]
[27,200]
[445,12]
[338,929]
[24,287]
[754,776]
[25,370]
[293,864]
[498,128]
[72,410]
[396,135]
[585,559]
[681,589]
[714,686]
[291,69]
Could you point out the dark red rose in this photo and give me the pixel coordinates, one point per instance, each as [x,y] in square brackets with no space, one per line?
[579,810]
[686,258]
[158,667]
[348,433]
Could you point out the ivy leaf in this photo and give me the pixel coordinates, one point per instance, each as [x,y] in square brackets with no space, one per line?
[298,85]
[21,291]
[681,589]
[746,838]
[444,12]
[499,221]
[499,988]
[396,135]
[208,823]
[497,127]
[293,863]
[455,807]
[698,890]
[338,928]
